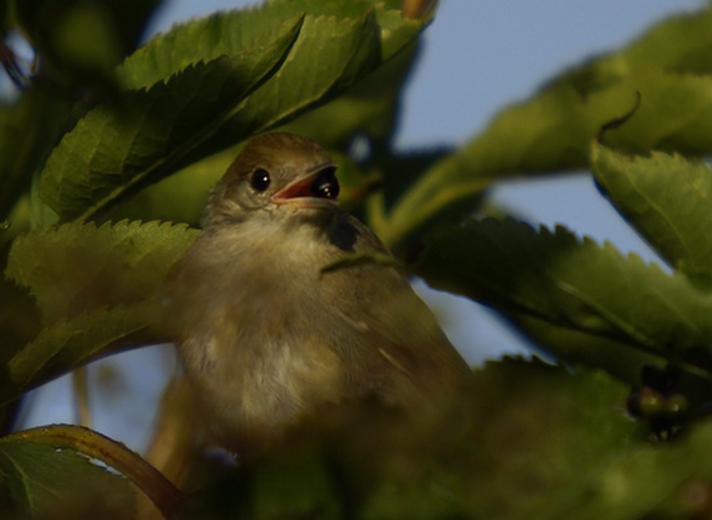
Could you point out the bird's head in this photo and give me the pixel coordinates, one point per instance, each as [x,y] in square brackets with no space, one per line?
[276,175]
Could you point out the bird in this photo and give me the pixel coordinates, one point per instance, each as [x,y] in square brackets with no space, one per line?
[267,336]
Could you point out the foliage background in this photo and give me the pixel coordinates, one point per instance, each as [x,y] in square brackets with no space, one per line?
[477,57]
[666,315]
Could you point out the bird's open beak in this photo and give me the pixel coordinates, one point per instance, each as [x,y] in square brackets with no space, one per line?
[315,189]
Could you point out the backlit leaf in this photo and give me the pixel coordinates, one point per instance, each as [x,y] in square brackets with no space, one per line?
[330,46]
[668,199]
[553,129]
[114,147]
[81,267]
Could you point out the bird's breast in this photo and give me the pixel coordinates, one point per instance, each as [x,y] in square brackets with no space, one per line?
[252,342]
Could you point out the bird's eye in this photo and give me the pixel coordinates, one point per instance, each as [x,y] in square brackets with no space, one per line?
[260,179]
[326,186]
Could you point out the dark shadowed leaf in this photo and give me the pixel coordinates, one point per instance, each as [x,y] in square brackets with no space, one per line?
[20,319]
[666,482]
[526,440]
[574,347]
[572,283]
[4,16]
[521,429]
[29,127]
[81,41]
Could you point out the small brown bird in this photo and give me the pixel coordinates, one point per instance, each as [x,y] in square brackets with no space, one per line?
[266,337]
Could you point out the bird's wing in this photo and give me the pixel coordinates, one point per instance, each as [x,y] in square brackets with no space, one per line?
[389,327]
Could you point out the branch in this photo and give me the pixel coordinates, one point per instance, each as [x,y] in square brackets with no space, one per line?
[417,8]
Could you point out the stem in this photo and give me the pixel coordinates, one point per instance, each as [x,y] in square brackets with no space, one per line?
[114,454]
[417,8]
[13,70]
[376,215]
[80,387]
[173,447]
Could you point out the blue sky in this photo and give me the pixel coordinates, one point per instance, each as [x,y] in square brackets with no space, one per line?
[478,56]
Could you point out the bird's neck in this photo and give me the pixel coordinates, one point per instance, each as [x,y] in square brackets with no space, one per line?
[269,238]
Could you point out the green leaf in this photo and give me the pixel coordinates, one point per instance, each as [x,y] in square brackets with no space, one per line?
[574,284]
[651,482]
[330,55]
[300,488]
[331,52]
[20,319]
[522,429]
[679,43]
[369,109]
[552,130]
[17,222]
[42,481]
[668,199]
[230,33]
[78,268]
[96,288]
[113,148]
[578,348]
[66,345]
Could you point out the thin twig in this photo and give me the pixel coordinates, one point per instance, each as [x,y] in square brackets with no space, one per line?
[80,388]
[13,70]
[175,435]
[620,120]
[417,8]
[358,259]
